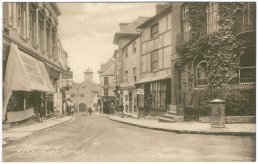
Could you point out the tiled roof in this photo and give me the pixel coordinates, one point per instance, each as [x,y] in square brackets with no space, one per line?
[131,27]
[107,68]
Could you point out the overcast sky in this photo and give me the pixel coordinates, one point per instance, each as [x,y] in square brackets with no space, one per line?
[86,31]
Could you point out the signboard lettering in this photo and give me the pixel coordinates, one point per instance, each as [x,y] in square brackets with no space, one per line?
[67,75]
[140,92]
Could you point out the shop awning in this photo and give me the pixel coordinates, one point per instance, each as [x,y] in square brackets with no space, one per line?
[36,73]
[153,78]
[26,73]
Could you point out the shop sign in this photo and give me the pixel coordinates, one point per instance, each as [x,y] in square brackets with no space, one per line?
[140,92]
[67,75]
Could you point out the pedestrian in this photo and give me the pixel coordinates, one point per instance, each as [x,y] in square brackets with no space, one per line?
[90,111]
[70,105]
[111,108]
[121,107]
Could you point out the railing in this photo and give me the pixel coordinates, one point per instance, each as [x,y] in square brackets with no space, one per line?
[247,75]
[238,101]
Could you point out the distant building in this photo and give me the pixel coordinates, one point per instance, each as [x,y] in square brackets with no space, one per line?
[85,95]
[107,87]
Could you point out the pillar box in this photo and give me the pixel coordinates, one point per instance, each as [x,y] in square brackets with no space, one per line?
[217,113]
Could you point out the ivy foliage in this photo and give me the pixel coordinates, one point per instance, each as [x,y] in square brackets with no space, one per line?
[221,49]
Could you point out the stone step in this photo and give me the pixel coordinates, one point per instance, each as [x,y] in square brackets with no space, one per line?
[163,119]
[170,116]
[172,113]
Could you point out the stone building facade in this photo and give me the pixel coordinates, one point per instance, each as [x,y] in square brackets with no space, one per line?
[107,85]
[85,95]
[156,46]
[175,76]
[128,57]
[30,49]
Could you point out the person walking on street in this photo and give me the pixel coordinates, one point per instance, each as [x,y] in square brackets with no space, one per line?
[90,111]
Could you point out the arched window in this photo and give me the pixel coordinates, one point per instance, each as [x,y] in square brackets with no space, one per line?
[201,74]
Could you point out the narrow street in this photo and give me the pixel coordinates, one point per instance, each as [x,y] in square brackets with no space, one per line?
[96,138]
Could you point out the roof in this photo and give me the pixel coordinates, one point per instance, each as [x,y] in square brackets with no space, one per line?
[90,85]
[153,78]
[107,68]
[130,30]
[158,15]
[115,53]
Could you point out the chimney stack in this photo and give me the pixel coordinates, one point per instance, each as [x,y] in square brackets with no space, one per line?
[122,26]
[161,7]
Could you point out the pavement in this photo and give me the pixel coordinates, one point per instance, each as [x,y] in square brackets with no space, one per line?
[20,132]
[96,138]
[188,127]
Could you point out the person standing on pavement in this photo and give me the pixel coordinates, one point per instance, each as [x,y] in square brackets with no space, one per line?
[121,107]
[111,108]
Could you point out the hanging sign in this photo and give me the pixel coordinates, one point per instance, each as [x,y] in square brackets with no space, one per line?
[67,75]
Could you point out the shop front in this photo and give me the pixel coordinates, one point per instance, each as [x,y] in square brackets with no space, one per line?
[107,100]
[28,90]
[156,94]
[129,102]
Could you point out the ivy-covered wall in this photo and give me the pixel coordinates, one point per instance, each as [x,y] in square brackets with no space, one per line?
[220,49]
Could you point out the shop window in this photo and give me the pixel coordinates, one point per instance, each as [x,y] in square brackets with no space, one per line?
[154,60]
[201,74]
[154,31]
[212,17]
[20,100]
[157,95]
[247,66]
